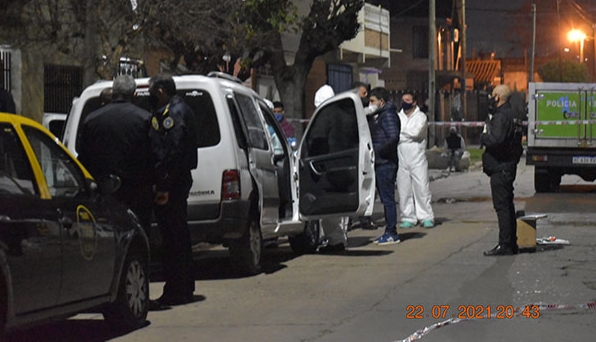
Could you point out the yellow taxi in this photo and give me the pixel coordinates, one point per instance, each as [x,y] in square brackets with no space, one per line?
[66,245]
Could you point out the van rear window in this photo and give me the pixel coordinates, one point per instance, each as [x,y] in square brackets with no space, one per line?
[200,102]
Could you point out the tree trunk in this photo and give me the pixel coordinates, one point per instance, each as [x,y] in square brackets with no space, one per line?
[291,93]
[290,82]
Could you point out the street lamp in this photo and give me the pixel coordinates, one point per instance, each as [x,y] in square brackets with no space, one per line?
[578,36]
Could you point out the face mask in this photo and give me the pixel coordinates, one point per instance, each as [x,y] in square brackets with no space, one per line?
[406,106]
[279,116]
[492,105]
[372,108]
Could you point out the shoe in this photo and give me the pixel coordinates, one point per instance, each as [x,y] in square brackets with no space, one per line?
[500,250]
[515,249]
[406,224]
[154,305]
[388,239]
[428,224]
[333,249]
[376,240]
[166,300]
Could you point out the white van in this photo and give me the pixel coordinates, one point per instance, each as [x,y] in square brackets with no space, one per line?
[54,122]
[245,190]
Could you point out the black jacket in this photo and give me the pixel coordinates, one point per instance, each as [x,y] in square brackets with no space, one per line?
[500,152]
[115,140]
[174,139]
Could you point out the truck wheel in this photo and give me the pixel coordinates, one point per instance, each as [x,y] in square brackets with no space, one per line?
[245,252]
[554,179]
[308,241]
[129,311]
[541,181]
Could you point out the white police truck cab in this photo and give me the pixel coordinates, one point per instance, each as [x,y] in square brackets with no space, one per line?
[246,188]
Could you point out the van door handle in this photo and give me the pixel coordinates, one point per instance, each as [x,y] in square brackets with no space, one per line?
[4,218]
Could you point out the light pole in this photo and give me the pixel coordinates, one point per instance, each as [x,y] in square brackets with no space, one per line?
[578,36]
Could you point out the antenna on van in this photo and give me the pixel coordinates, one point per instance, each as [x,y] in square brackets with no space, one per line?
[219,74]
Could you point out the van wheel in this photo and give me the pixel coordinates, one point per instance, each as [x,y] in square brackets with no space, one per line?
[245,252]
[129,311]
[309,240]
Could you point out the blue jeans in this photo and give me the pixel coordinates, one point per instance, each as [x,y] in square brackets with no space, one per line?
[385,177]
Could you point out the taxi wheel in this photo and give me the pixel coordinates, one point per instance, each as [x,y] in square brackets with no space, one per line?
[132,304]
[308,241]
[245,252]
[3,308]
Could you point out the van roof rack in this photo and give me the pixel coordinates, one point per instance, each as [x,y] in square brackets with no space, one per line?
[219,74]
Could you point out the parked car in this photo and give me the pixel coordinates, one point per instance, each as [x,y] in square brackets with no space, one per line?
[65,245]
[250,185]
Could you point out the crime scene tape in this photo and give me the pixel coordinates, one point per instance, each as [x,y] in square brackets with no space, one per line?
[525,123]
[482,123]
[451,321]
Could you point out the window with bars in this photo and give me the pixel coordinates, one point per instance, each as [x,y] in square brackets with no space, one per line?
[339,77]
[61,84]
[5,66]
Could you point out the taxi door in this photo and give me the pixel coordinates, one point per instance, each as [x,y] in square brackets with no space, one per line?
[336,161]
[88,240]
[29,232]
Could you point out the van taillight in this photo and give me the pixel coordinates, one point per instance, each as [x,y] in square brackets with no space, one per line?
[230,186]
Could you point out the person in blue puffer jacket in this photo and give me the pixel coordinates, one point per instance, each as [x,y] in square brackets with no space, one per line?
[385,127]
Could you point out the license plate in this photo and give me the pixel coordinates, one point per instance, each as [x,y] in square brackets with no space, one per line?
[583,160]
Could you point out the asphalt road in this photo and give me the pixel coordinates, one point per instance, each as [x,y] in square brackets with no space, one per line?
[374,293]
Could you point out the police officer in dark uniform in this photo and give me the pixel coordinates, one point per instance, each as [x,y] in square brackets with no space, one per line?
[174,139]
[499,162]
[115,140]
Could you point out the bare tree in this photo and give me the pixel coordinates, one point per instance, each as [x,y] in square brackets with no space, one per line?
[327,24]
[98,32]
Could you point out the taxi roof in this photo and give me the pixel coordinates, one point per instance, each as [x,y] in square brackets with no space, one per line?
[19,119]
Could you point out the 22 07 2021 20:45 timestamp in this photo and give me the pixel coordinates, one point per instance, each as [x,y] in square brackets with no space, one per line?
[471,311]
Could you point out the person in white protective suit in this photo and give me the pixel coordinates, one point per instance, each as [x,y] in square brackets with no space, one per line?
[335,229]
[412,174]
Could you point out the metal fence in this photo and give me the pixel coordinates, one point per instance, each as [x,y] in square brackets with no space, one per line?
[61,84]
[5,76]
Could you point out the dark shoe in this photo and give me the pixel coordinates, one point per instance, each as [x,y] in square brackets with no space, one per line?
[166,300]
[333,249]
[500,250]
[155,305]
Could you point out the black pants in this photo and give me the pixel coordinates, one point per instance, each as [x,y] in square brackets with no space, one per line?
[177,253]
[501,186]
[138,196]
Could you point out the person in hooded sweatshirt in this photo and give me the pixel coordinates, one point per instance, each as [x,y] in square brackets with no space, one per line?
[412,175]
